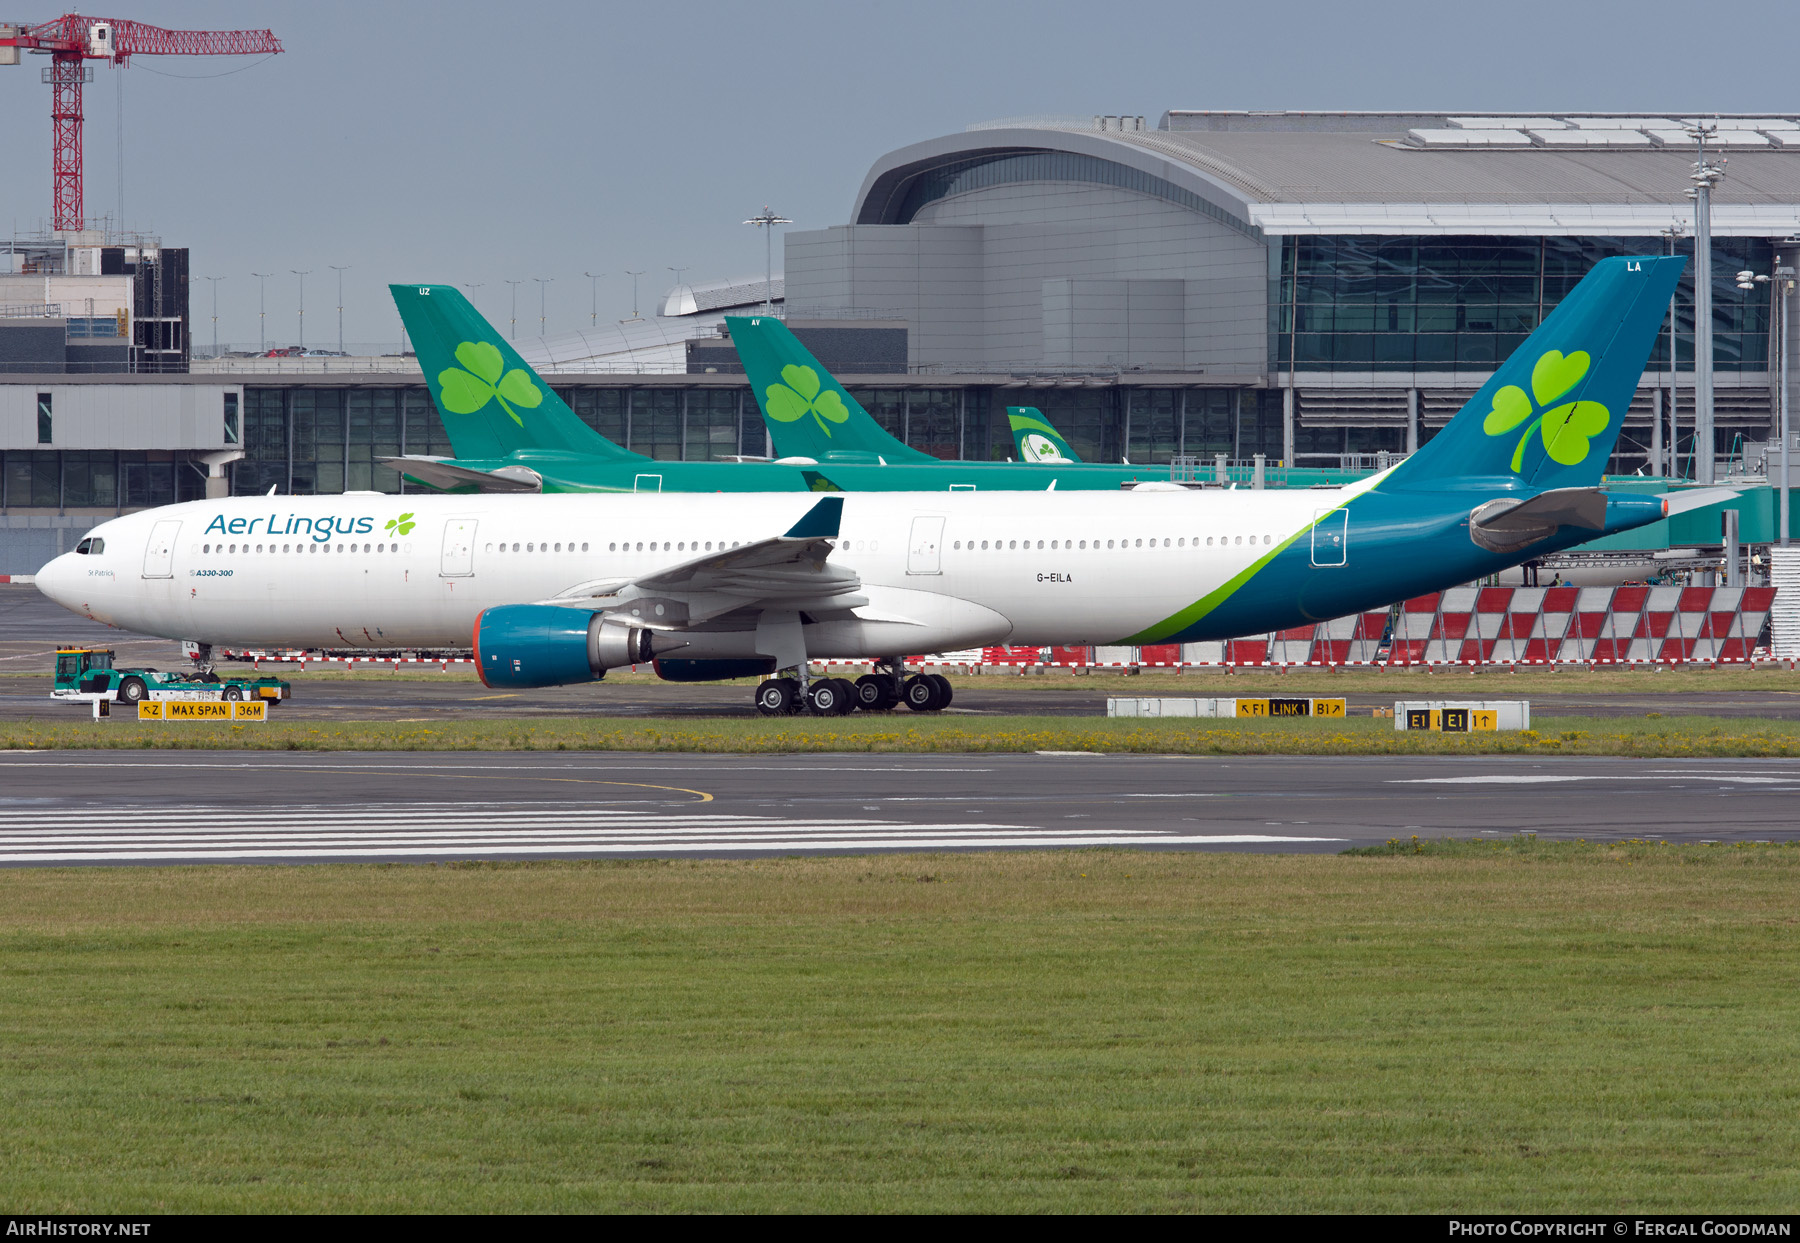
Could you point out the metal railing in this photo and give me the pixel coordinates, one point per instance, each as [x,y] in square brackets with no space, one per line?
[1188,468]
[361,365]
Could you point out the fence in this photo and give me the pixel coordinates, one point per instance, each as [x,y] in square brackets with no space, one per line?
[1479,626]
[1462,626]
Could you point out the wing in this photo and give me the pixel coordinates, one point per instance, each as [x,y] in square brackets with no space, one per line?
[785,572]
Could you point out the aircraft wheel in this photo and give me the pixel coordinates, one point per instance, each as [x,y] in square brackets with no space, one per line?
[946,692]
[831,697]
[776,697]
[921,693]
[232,694]
[132,691]
[875,693]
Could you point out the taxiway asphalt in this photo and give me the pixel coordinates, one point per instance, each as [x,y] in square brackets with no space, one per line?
[72,808]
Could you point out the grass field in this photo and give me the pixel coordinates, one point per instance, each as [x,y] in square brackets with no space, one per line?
[1548,1028]
[1649,735]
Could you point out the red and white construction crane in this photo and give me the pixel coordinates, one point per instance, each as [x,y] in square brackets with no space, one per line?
[72,39]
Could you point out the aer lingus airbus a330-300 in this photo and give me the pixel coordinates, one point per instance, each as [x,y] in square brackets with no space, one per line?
[557,589]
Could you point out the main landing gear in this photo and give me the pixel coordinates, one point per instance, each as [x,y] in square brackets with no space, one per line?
[881,691]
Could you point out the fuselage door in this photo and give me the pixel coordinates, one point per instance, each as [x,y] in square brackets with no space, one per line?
[1331,537]
[924,551]
[159,553]
[459,548]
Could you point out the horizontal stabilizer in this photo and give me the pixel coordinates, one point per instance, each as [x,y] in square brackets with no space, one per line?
[1694,498]
[1563,507]
[445,473]
[1505,526]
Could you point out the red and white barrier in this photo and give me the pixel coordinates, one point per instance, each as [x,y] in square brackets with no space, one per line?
[1462,626]
[1582,625]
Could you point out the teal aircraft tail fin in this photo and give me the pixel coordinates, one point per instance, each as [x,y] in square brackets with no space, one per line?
[1550,415]
[1035,440]
[808,413]
[490,400]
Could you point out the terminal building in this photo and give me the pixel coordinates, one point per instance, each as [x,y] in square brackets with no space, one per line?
[1317,288]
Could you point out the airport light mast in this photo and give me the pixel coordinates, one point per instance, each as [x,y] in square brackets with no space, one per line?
[72,39]
[767,222]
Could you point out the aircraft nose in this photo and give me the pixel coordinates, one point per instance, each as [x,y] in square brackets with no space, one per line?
[56,579]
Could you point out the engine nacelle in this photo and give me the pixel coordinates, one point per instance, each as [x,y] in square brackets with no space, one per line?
[526,645]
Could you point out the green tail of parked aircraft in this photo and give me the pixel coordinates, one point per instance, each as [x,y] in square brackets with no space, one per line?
[1035,441]
[812,417]
[511,433]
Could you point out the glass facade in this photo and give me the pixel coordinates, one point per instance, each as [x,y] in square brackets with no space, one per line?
[305,440]
[96,479]
[1465,303]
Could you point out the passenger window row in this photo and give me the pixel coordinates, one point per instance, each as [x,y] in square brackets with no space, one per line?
[304,547]
[533,546]
[670,546]
[1069,544]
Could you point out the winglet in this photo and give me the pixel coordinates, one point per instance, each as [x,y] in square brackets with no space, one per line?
[819,522]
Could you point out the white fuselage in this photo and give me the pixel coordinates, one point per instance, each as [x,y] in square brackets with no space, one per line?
[939,570]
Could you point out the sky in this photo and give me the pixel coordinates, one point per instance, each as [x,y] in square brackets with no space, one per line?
[476,144]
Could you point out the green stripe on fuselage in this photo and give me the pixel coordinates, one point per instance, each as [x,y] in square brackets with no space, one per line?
[1176,623]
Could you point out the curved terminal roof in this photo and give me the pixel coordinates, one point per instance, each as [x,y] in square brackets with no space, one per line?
[1294,172]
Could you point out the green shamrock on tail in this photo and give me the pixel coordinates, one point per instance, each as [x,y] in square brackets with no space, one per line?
[466,391]
[403,525]
[801,395]
[1566,429]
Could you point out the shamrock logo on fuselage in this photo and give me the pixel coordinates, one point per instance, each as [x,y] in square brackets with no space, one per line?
[801,395]
[1566,429]
[480,379]
[403,525]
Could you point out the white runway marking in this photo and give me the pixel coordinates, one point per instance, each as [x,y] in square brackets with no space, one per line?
[122,834]
[1536,779]
[1494,780]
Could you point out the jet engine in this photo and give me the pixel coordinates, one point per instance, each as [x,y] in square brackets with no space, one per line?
[526,645]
